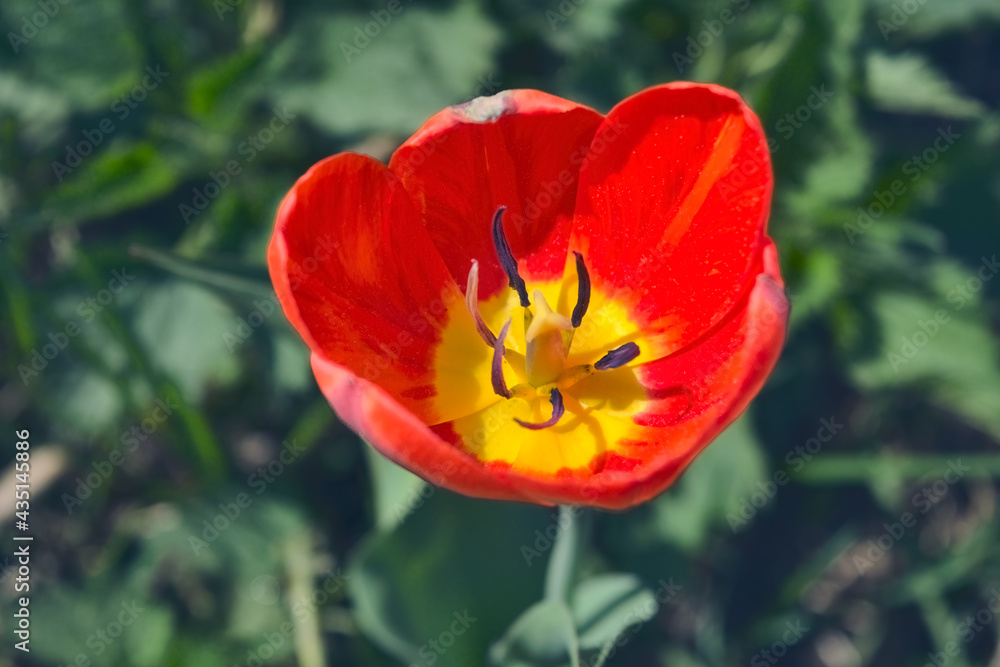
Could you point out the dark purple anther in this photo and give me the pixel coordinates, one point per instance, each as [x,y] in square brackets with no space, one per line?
[558,410]
[507,260]
[582,291]
[499,384]
[617,357]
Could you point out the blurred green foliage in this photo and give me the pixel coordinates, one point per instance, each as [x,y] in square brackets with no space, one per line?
[850,518]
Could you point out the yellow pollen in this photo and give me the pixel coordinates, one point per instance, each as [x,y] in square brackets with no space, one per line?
[598,405]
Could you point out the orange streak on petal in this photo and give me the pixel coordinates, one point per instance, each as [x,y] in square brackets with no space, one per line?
[719,161]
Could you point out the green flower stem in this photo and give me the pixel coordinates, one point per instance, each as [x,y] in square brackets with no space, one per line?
[561,573]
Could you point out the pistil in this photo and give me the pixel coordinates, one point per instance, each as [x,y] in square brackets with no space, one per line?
[548,335]
[546,347]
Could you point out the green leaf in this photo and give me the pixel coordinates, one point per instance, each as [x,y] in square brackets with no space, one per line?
[87,401]
[843,155]
[148,638]
[606,605]
[397,491]
[713,486]
[182,328]
[908,83]
[122,176]
[292,372]
[575,28]
[943,346]
[892,469]
[418,63]
[246,280]
[453,559]
[897,20]
[87,79]
[544,634]
[39,110]
[72,615]
[821,281]
[102,619]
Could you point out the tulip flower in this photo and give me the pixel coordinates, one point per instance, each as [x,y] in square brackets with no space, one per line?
[536,302]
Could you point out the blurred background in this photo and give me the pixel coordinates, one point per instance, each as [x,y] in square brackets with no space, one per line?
[194,501]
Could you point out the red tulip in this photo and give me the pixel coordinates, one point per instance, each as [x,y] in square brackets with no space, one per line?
[536,302]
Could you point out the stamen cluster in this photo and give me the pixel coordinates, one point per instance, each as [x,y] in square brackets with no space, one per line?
[548,335]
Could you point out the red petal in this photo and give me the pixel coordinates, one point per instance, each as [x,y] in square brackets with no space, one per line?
[672,207]
[719,377]
[521,149]
[359,278]
[697,393]
[402,437]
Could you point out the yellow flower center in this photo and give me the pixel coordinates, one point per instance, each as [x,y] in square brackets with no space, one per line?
[546,391]
[548,336]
